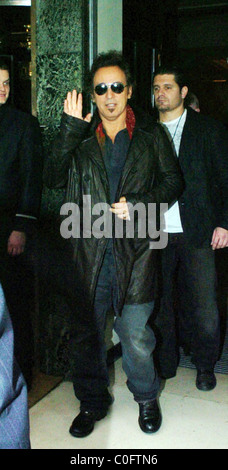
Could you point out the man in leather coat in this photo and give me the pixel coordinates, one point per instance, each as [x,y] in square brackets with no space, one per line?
[118,158]
[20,193]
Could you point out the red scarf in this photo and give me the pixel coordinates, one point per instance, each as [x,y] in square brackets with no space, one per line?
[130,124]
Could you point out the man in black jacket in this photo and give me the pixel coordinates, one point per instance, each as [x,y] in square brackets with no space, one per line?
[20,193]
[118,158]
[197,226]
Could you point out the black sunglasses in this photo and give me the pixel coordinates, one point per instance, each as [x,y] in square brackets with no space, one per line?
[116,87]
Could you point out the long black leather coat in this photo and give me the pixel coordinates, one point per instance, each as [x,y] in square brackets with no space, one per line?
[150,175]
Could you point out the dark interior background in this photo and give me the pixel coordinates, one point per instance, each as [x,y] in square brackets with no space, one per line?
[15,49]
[192,33]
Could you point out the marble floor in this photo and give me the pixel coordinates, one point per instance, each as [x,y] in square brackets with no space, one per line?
[192,419]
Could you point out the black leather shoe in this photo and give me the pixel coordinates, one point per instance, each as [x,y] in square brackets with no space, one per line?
[205,379]
[149,416]
[83,424]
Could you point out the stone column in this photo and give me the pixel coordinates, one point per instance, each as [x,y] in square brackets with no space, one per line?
[60,59]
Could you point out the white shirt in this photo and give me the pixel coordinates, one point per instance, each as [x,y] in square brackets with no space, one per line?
[172,216]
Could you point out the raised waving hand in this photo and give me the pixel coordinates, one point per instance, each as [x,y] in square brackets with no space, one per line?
[73,106]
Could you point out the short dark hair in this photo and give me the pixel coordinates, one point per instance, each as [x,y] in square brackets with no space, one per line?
[4,66]
[179,75]
[111,58]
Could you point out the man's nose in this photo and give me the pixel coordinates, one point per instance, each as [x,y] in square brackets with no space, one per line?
[109,92]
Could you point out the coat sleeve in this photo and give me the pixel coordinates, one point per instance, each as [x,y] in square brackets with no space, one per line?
[30,158]
[56,168]
[218,154]
[168,182]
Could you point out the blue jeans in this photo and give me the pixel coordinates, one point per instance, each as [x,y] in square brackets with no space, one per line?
[138,343]
[137,340]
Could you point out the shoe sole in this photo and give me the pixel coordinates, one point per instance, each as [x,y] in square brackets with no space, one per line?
[77,434]
[205,388]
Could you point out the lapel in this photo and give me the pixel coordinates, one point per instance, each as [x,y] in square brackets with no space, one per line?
[136,148]
[91,144]
[188,136]
[92,149]
[135,151]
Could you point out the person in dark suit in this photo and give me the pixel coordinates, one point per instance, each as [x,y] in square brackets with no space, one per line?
[197,226]
[14,418]
[20,193]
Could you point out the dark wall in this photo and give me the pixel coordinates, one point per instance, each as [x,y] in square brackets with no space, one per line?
[203,51]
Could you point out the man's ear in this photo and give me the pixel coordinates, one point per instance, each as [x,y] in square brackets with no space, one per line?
[129,92]
[184,92]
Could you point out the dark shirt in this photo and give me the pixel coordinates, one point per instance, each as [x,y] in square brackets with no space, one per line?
[114,158]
